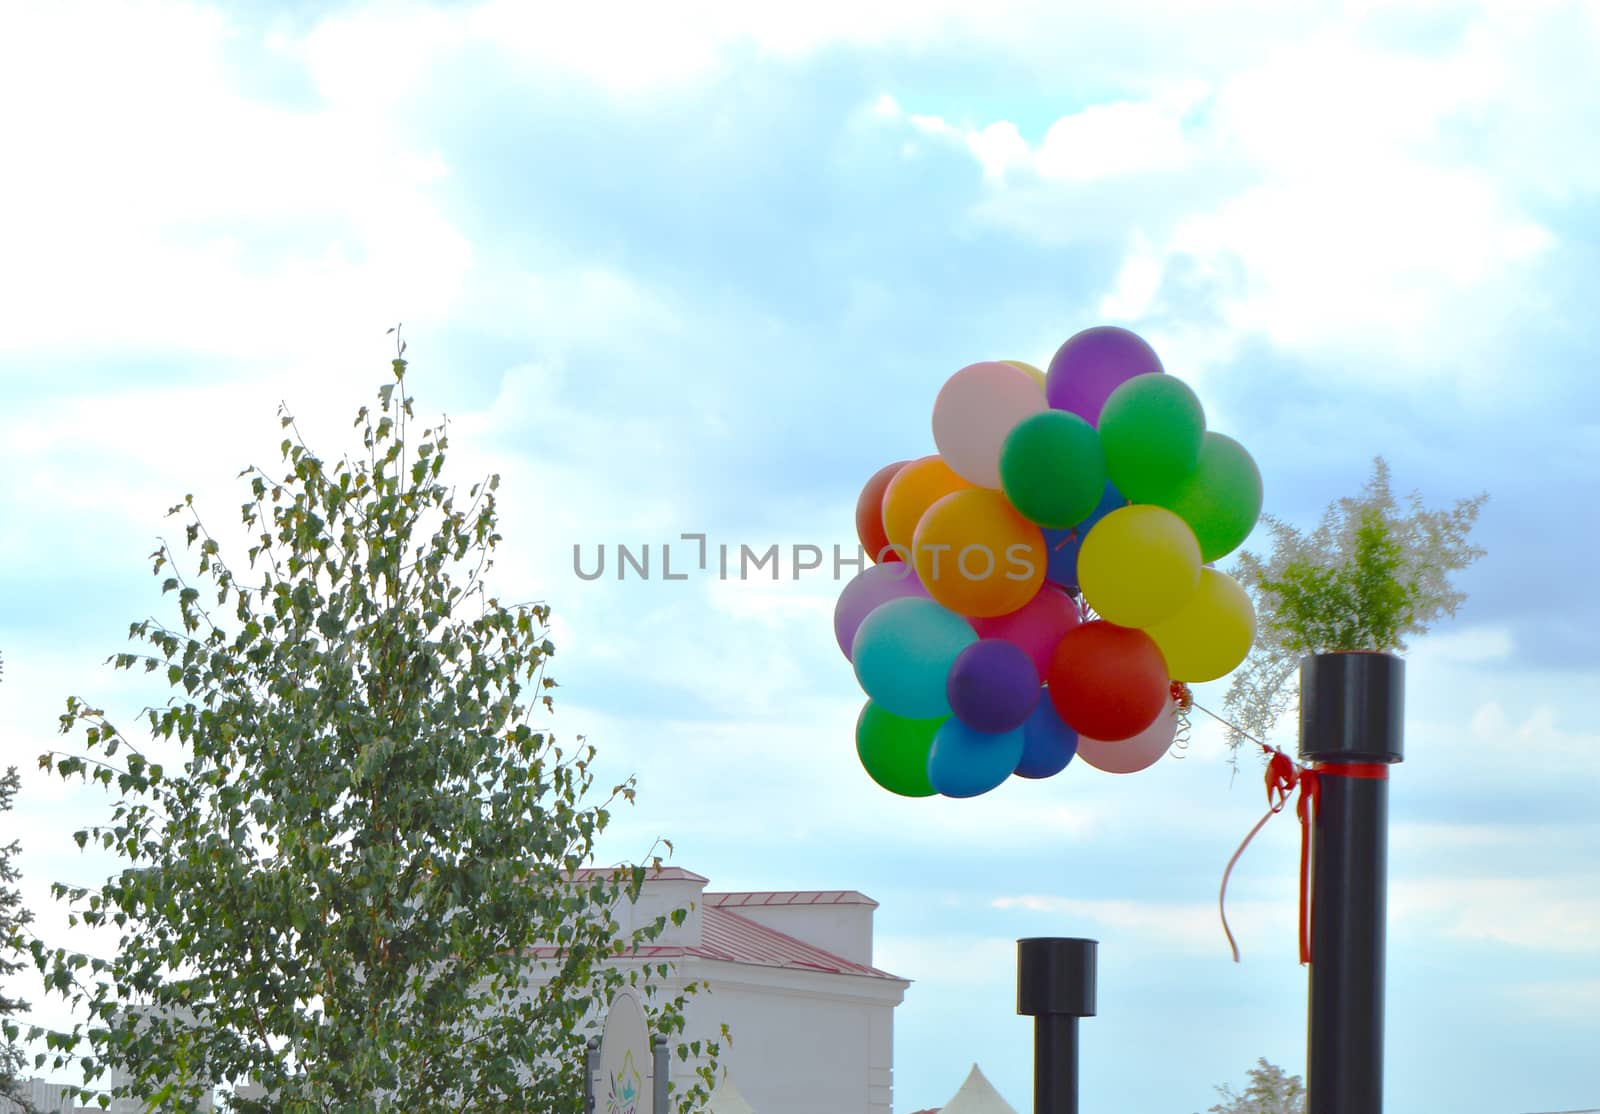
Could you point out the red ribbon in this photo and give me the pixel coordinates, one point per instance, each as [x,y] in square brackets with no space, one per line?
[1283,777]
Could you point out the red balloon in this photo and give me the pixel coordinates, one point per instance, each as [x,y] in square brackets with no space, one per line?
[869,513]
[1108,682]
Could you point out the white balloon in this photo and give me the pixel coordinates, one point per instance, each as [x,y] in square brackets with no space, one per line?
[976,411]
[1129,756]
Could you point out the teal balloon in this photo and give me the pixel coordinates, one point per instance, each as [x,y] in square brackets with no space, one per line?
[1221,501]
[967,763]
[1053,469]
[903,652]
[1152,428]
[894,750]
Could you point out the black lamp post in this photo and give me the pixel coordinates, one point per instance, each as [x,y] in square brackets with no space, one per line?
[1351,715]
[1055,987]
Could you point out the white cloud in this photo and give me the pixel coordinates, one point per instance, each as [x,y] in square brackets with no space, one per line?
[1369,246]
[1409,838]
[1102,142]
[182,438]
[356,54]
[1137,283]
[1321,196]
[999,148]
[1557,915]
[658,45]
[1494,730]
[1176,926]
[167,207]
[182,210]
[1464,646]
[1121,138]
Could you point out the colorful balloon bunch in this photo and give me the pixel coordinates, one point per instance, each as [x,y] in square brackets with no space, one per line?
[1043,583]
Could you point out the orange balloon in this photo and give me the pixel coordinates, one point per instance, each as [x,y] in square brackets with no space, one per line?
[915,488]
[977,555]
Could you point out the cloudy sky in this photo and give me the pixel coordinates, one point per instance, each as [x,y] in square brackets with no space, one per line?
[702,268]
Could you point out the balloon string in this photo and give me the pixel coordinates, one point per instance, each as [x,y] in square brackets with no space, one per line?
[1306,808]
[1231,726]
[1184,699]
[1222,893]
[1283,776]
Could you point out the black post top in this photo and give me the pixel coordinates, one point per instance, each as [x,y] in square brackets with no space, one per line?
[1352,708]
[1055,975]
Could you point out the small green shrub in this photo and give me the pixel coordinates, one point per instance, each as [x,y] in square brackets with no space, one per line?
[1371,574]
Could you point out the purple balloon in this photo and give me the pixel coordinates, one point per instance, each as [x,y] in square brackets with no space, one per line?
[993,686]
[1092,364]
[869,589]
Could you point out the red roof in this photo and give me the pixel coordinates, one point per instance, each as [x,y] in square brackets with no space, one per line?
[730,938]
[726,936]
[790,897]
[651,874]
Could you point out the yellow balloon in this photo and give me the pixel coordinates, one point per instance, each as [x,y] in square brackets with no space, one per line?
[1038,376]
[977,556]
[1139,565]
[1211,634]
[914,489]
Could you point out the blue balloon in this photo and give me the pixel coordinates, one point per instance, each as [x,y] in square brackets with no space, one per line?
[965,763]
[1048,744]
[1061,546]
[903,652]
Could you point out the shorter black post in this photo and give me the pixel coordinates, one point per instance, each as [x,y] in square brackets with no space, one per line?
[591,1058]
[1055,987]
[660,1068]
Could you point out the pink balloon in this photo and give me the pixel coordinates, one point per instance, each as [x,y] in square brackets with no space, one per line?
[1129,756]
[867,590]
[976,411]
[1037,626]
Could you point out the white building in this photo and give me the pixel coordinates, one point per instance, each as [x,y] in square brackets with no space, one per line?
[791,975]
[46,1098]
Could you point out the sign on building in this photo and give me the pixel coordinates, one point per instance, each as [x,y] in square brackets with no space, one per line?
[627,1074]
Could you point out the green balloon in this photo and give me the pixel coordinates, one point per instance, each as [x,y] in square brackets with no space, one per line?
[1221,501]
[1152,427]
[1053,469]
[894,750]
